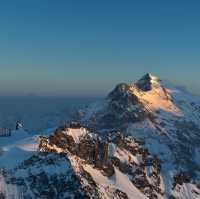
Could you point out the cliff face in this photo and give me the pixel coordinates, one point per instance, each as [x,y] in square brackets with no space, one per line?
[107,156]
[98,160]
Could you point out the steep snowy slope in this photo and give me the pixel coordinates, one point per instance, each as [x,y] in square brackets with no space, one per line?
[165,118]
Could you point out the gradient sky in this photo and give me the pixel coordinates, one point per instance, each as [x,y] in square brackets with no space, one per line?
[82,47]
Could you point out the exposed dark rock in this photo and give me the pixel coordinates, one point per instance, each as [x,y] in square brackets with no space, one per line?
[2,196]
[145,83]
[172,197]
[181,178]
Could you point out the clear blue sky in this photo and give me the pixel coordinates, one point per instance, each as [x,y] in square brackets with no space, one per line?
[82,47]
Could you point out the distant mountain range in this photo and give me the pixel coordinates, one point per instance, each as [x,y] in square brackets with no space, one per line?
[142,141]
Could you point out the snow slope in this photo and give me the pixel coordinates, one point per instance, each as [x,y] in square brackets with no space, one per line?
[119,181]
[16,148]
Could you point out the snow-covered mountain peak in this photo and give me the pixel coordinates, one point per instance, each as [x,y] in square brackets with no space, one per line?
[147,82]
[153,94]
[147,99]
[149,92]
[150,76]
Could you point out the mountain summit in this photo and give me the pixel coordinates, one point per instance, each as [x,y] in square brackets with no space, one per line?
[130,103]
[147,82]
